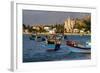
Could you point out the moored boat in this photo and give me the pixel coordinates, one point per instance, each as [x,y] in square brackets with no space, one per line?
[32,37]
[38,38]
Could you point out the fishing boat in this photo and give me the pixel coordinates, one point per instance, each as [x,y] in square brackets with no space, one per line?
[38,38]
[51,41]
[32,37]
[78,45]
[51,38]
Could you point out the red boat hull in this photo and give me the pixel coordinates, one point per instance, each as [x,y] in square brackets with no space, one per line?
[74,44]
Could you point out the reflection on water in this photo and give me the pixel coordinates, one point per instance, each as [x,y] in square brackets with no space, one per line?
[35,51]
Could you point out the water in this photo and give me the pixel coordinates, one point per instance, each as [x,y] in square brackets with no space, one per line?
[34,51]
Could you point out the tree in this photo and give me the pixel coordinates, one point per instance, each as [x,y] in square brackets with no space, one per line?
[59,28]
[29,28]
[88,24]
[24,26]
[84,23]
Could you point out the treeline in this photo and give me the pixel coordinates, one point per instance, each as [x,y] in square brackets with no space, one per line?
[30,29]
[84,23]
[59,28]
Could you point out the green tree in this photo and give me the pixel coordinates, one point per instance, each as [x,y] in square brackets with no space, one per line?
[24,26]
[88,24]
[59,28]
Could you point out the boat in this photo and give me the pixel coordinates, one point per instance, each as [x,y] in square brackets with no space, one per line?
[41,38]
[77,44]
[32,37]
[51,48]
[38,38]
[51,41]
[52,38]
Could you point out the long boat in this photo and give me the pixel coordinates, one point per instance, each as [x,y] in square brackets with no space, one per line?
[76,44]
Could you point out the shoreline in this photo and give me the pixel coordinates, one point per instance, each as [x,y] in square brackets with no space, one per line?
[64,33]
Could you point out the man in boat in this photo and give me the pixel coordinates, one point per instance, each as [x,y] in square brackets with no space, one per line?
[57,45]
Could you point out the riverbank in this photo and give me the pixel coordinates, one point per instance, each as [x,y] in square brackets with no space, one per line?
[77,34]
[64,33]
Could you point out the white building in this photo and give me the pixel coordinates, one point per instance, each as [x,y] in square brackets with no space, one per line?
[76,30]
[47,28]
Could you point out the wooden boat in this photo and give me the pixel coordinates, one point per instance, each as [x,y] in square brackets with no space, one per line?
[37,38]
[52,38]
[51,41]
[50,50]
[32,37]
[76,44]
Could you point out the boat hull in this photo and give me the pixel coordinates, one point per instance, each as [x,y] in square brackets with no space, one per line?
[76,44]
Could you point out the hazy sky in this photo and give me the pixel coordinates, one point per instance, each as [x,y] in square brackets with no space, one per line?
[31,17]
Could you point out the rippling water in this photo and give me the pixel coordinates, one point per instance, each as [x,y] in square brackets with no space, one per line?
[34,51]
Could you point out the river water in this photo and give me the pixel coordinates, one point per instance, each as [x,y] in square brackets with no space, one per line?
[34,51]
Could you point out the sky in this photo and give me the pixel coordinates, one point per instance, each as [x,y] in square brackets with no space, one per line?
[31,17]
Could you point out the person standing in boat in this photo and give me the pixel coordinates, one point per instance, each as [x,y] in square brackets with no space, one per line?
[57,45]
